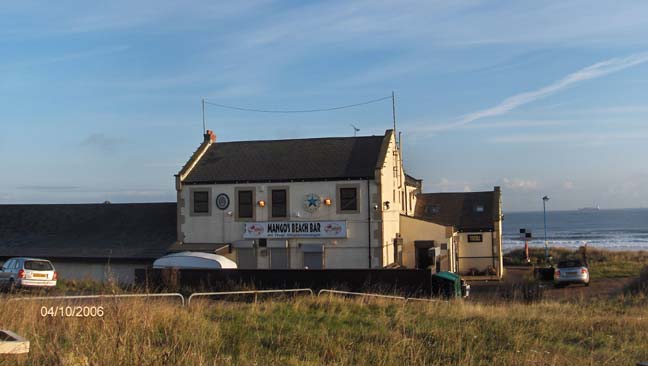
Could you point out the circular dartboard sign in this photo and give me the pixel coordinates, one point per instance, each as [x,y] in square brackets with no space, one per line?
[312,202]
[222,201]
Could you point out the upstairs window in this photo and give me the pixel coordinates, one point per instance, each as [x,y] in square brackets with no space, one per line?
[245,204]
[200,202]
[279,203]
[432,210]
[479,208]
[348,199]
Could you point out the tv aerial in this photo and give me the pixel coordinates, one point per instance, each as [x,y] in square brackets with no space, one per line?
[355,129]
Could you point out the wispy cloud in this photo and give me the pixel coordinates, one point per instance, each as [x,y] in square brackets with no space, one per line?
[520,123]
[588,73]
[103,143]
[568,184]
[520,184]
[571,138]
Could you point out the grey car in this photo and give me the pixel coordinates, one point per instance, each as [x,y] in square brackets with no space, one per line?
[27,272]
[572,271]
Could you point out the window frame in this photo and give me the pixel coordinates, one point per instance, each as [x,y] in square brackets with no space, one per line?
[237,203]
[338,206]
[192,201]
[271,203]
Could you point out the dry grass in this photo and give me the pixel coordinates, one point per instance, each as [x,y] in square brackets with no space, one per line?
[335,331]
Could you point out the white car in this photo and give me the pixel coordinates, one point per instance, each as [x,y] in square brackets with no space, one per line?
[571,271]
[27,272]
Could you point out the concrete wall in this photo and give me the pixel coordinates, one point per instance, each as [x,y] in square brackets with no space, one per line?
[392,188]
[101,272]
[411,194]
[414,229]
[476,255]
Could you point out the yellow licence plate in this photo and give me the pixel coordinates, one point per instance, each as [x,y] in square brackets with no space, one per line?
[39,275]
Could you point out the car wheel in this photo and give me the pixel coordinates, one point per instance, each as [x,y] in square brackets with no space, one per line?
[559,285]
[587,283]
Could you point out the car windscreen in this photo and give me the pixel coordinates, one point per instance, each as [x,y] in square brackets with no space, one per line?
[570,264]
[38,265]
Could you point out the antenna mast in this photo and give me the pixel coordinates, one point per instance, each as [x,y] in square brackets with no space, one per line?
[394,114]
[203,115]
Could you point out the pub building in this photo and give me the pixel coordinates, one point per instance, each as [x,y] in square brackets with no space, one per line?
[340,202]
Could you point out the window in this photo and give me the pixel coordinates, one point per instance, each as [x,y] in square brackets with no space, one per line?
[475,238]
[200,202]
[279,202]
[38,265]
[245,204]
[479,208]
[432,209]
[348,199]
[8,264]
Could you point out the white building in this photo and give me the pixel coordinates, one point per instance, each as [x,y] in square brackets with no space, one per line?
[341,202]
[316,203]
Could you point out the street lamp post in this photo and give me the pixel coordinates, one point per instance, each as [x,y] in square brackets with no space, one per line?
[544,211]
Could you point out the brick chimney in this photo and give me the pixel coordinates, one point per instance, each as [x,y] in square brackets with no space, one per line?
[210,136]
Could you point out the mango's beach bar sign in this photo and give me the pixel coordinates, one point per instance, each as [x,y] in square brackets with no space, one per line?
[295,229]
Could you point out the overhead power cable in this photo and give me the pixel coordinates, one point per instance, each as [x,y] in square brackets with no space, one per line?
[296,110]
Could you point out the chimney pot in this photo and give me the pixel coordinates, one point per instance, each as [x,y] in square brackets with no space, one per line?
[210,136]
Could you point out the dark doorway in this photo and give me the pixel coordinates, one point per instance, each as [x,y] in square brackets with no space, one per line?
[425,254]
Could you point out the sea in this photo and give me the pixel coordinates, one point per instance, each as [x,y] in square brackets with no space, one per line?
[623,229]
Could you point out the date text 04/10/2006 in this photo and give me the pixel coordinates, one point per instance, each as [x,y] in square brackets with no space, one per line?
[72,311]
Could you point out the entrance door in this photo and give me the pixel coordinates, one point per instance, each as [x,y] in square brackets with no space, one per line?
[279,258]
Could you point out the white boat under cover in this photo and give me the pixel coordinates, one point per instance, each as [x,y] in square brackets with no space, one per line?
[193,260]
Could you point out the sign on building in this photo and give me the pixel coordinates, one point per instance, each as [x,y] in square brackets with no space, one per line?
[295,229]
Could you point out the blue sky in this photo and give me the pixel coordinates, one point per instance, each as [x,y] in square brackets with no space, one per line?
[102,102]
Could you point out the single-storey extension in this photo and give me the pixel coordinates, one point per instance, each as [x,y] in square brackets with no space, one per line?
[89,241]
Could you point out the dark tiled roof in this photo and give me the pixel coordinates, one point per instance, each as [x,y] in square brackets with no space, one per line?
[118,231]
[413,182]
[285,160]
[459,209]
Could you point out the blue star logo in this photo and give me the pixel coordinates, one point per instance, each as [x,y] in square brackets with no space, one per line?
[312,202]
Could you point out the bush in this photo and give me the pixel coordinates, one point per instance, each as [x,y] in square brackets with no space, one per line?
[639,285]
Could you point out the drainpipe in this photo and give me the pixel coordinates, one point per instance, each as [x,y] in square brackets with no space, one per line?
[369,220]
[493,251]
